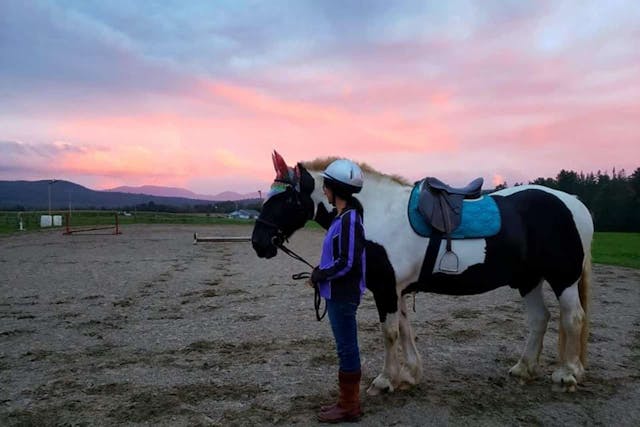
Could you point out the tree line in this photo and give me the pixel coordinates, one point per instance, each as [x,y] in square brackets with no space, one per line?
[614,200]
[224,207]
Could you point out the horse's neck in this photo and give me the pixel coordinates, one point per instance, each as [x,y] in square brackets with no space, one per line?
[384,201]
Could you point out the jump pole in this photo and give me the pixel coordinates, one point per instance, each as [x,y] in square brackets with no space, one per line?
[70,231]
[219,239]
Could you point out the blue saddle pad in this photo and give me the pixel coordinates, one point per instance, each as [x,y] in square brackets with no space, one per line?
[480,217]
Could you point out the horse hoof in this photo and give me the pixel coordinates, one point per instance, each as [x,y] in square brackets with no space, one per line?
[565,380]
[372,391]
[565,388]
[405,386]
[375,391]
[524,373]
[406,379]
[380,385]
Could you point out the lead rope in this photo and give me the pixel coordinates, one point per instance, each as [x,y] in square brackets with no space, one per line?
[317,299]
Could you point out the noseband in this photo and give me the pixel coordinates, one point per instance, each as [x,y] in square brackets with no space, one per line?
[280,237]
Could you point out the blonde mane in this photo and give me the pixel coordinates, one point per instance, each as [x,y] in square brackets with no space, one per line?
[321,164]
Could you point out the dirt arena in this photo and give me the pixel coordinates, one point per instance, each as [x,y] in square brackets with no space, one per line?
[147,328]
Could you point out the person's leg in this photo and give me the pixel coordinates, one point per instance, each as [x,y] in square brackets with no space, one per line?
[342,316]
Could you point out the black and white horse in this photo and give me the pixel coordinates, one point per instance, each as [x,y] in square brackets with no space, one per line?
[545,235]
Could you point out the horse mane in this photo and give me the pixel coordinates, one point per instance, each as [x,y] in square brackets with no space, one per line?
[321,164]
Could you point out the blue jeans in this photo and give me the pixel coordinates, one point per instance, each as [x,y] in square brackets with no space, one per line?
[342,315]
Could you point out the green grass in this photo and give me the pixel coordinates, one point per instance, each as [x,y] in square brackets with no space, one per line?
[621,249]
[31,220]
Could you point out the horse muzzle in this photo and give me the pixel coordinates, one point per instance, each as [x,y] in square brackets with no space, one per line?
[263,249]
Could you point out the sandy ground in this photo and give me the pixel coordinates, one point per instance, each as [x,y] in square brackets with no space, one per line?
[147,328]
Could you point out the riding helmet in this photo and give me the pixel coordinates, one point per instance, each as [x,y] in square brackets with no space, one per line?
[343,176]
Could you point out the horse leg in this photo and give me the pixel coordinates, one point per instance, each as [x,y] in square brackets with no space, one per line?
[387,380]
[411,371]
[537,319]
[571,343]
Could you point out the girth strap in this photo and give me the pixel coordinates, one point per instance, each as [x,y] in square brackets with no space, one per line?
[430,256]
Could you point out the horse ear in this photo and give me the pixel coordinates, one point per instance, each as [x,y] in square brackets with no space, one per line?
[282,170]
[304,179]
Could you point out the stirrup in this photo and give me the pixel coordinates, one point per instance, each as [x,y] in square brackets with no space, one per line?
[449,262]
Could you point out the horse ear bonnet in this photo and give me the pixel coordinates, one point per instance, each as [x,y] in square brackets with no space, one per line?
[305,180]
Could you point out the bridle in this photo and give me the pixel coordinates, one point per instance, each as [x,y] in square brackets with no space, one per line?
[278,241]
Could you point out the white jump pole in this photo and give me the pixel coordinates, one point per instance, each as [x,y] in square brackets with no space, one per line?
[219,239]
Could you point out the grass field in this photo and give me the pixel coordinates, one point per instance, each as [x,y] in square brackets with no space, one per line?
[9,221]
[31,220]
[617,249]
[621,249]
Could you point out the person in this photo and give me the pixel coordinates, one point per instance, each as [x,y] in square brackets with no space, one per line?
[340,278]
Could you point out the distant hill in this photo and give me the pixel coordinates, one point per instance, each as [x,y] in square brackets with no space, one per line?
[35,195]
[155,190]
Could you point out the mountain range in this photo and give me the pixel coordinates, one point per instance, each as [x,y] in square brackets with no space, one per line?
[155,190]
[62,194]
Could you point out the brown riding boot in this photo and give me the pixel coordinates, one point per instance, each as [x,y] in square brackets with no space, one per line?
[348,406]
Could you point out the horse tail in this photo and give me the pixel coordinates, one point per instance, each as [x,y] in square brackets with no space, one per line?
[584,293]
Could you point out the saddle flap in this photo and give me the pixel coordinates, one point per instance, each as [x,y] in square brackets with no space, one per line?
[442,210]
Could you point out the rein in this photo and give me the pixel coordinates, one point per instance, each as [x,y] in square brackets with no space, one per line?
[278,241]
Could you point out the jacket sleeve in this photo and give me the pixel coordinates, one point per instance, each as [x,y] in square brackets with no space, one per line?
[350,245]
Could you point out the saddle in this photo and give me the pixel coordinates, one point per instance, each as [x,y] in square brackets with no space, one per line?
[441,205]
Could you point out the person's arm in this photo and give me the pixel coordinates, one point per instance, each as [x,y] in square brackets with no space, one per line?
[347,248]
[324,217]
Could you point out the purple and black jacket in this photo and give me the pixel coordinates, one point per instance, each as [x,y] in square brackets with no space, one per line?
[341,273]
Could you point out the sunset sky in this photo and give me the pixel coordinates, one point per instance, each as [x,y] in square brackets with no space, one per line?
[197,94]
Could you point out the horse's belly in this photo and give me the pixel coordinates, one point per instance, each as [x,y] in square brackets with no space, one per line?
[475,280]
[481,267]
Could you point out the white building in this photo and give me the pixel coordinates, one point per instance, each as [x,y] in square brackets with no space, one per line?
[244,214]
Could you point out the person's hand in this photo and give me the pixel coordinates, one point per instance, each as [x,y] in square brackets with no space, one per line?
[316,275]
[324,217]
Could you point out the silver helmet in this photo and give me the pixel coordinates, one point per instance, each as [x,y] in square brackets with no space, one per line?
[343,175]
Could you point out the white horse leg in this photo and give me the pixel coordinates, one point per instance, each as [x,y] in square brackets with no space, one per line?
[411,372]
[537,319]
[387,380]
[572,316]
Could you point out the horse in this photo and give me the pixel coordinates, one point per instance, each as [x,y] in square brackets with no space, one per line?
[545,236]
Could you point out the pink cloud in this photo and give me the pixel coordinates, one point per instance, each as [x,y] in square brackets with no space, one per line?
[495,103]
[338,127]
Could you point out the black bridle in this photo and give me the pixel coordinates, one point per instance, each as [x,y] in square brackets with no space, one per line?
[278,241]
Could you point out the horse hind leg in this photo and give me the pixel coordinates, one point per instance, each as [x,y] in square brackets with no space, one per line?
[573,333]
[537,319]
